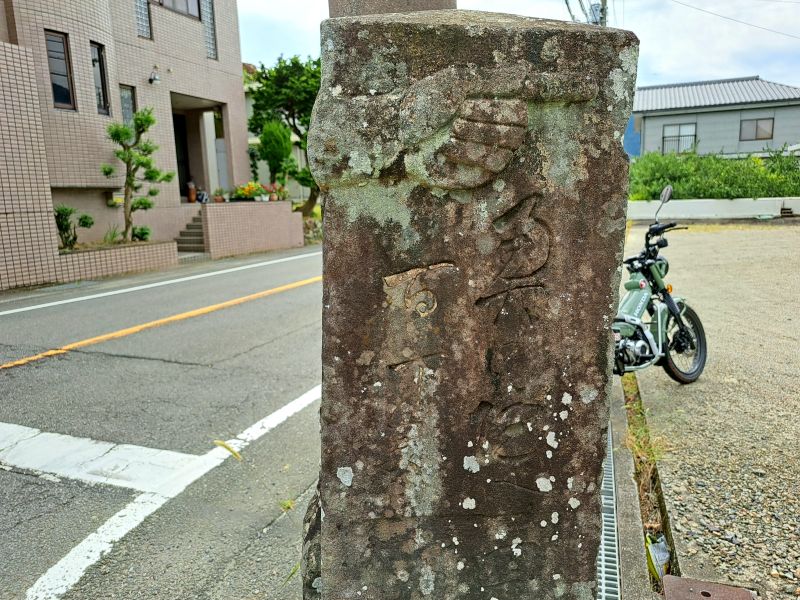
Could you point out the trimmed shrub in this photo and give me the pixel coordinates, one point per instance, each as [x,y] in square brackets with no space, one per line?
[275,147]
[141,233]
[67,228]
[711,176]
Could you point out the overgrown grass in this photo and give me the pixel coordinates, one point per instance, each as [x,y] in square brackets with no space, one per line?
[647,450]
[711,176]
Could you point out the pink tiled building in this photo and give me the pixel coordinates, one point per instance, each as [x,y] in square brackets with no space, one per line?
[68,68]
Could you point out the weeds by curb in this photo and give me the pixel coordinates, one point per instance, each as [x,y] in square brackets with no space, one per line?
[647,449]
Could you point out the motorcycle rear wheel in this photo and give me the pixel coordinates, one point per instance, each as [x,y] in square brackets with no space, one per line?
[685,365]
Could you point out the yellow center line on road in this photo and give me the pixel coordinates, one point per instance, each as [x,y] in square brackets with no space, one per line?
[159,322]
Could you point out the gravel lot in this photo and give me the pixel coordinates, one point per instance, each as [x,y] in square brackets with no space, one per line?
[732,476]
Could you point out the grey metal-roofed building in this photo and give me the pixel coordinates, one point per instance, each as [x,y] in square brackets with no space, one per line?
[726,116]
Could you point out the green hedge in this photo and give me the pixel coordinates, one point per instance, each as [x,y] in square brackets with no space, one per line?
[711,176]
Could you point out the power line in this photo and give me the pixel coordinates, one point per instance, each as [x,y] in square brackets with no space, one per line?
[736,20]
[569,10]
[583,9]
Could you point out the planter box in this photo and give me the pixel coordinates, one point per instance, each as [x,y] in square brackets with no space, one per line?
[93,264]
[247,227]
[53,267]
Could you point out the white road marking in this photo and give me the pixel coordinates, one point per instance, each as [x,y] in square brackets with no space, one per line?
[270,422]
[62,576]
[158,284]
[124,465]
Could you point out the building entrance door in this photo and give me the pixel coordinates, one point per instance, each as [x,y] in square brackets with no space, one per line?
[181,151]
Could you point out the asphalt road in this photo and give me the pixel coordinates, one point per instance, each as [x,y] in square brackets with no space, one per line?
[174,387]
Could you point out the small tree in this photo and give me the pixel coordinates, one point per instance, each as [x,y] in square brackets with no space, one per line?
[252,154]
[286,92]
[67,228]
[136,153]
[275,147]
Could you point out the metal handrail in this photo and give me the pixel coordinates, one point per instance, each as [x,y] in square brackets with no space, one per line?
[677,143]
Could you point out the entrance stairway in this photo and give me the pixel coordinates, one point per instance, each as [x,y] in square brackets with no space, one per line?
[191,238]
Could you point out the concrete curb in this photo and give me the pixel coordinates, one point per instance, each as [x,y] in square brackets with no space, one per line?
[635,580]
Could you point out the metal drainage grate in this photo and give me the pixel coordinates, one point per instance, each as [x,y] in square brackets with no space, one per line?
[608,556]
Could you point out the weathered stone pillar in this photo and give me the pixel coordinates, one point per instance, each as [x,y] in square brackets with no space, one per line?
[352,8]
[474,186]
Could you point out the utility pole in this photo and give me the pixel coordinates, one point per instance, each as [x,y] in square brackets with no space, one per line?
[599,13]
[596,14]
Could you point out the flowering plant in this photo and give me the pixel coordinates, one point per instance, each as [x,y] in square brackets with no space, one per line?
[276,191]
[250,190]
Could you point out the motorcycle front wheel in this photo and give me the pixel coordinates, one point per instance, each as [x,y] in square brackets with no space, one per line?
[685,362]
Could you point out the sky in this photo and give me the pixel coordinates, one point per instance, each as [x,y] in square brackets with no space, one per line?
[678,43]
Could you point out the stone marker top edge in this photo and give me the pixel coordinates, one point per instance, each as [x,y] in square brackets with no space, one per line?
[472,18]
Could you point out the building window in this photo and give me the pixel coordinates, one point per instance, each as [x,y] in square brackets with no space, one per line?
[127,96]
[207,7]
[755,129]
[143,27]
[678,138]
[187,7]
[100,82]
[60,69]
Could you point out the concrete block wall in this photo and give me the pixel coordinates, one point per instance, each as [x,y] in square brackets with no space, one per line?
[738,208]
[75,139]
[113,261]
[28,238]
[246,227]
[4,36]
[29,252]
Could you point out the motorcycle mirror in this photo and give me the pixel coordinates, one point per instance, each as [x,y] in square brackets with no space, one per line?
[666,196]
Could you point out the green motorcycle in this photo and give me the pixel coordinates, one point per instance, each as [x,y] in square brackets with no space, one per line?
[653,327]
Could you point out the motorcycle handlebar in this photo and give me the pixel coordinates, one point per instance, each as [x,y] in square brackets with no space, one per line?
[659,228]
